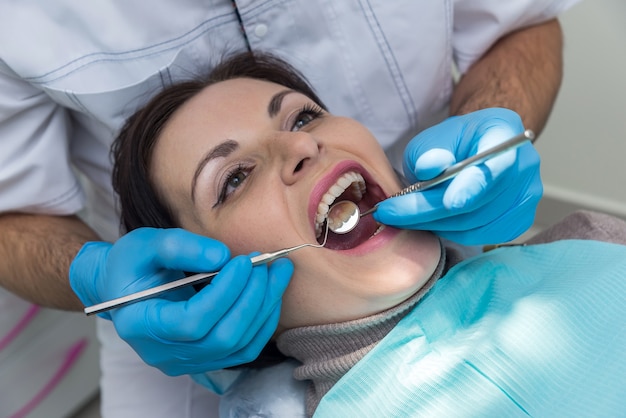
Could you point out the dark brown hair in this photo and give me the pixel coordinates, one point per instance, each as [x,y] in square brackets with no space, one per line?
[140,204]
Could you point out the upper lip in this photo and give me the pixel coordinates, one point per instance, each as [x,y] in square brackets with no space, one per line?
[330,178]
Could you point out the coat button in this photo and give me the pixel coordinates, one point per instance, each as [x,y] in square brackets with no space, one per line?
[260,30]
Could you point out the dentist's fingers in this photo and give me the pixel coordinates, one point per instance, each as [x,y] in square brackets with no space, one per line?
[432,163]
[228,322]
[241,325]
[424,210]
[476,183]
[192,319]
[255,346]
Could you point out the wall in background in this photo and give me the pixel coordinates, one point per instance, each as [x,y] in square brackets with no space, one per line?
[583,147]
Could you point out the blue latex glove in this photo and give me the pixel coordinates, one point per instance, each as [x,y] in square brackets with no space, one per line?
[184,331]
[489,203]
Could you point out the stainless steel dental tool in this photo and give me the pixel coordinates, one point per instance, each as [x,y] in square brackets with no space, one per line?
[344,216]
[190,280]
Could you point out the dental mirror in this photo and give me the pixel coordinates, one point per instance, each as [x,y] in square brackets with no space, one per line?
[344,215]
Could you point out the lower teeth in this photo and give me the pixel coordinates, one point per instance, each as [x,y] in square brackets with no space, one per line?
[380,228]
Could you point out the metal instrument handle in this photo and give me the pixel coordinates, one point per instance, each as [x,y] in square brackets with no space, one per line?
[455,169]
[479,158]
[190,280]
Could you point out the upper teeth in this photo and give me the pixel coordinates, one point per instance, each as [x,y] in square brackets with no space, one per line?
[351,180]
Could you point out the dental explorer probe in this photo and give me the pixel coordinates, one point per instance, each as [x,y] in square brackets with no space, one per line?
[191,280]
[344,216]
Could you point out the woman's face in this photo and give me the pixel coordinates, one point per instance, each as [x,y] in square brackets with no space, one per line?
[248,162]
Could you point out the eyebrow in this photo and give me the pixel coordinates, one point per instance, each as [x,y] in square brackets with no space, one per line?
[276,102]
[224,149]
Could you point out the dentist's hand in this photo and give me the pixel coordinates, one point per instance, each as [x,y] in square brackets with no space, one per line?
[226,323]
[489,203]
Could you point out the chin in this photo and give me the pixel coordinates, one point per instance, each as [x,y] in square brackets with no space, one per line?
[400,266]
[345,285]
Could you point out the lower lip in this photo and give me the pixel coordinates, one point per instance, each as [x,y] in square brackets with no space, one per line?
[374,243]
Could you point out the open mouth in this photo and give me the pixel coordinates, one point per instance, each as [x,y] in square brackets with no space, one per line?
[349,186]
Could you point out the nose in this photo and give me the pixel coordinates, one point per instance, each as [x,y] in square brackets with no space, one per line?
[298,151]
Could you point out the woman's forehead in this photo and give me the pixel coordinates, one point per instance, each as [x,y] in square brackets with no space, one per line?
[239,91]
[219,105]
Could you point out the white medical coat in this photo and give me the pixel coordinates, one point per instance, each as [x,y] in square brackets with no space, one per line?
[71,71]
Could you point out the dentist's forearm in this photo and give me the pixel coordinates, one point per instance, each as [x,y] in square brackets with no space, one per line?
[522,72]
[35,256]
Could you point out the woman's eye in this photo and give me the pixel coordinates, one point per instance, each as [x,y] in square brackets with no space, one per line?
[302,121]
[234,179]
[305,116]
